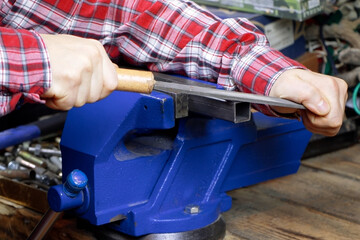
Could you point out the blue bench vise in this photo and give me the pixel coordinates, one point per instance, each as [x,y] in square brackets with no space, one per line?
[162,164]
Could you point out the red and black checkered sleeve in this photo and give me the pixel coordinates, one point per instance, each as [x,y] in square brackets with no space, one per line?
[24,68]
[174,36]
[180,37]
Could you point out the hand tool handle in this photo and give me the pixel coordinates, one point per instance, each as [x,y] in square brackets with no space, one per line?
[135,80]
[14,136]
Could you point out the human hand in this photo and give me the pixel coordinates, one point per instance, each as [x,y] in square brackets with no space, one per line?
[81,71]
[323,96]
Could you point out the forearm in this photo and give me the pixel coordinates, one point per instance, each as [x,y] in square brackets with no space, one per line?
[24,68]
[169,36]
[173,36]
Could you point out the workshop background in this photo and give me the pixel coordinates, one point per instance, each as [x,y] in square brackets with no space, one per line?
[320,201]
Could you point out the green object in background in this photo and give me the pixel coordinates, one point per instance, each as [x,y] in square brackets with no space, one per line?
[354,98]
[299,10]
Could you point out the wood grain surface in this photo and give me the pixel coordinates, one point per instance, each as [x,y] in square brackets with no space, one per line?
[321,201]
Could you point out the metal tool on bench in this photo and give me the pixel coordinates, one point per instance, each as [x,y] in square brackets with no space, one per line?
[144,82]
[159,165]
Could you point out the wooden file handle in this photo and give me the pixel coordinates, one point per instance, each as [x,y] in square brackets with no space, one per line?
[135,80]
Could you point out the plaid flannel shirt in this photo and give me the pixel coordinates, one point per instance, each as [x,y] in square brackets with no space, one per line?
[174,36]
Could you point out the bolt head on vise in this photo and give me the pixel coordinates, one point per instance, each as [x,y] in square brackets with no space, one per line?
[68,195]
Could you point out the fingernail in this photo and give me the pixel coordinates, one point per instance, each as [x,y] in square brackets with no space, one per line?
[323,106]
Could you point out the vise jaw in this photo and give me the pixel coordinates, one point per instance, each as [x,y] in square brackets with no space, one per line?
[150,172]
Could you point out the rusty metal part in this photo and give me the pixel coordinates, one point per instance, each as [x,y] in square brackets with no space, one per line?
[30,197]
[18,174]
[45,224]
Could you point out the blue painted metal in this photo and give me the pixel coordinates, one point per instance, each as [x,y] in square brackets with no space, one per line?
[69,195]
[13,136]
[75,182]
[144,165]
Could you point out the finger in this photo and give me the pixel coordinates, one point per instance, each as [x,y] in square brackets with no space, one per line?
[57,105]
[97,78]
[318,125]
[305,91]
[96,84]
[48,94]
[110,77]
[50,103]
[311,97]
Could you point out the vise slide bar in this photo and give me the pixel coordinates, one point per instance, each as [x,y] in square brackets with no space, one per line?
[184,103]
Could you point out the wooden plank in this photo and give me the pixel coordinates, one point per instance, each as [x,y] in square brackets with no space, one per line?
[30,197]
[321,201]
[320,191]
[17,222]
[256,215]
[345,162]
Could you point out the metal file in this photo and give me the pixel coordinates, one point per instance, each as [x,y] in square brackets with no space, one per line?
[225,95]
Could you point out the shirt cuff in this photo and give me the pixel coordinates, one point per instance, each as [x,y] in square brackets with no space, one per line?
[25,68]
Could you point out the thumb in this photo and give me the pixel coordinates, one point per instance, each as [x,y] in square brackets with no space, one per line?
[317,104]
[303,91]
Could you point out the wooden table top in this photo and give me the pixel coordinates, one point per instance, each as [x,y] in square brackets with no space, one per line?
[321,201]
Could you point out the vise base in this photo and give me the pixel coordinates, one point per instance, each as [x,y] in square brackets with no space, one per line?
[149,172]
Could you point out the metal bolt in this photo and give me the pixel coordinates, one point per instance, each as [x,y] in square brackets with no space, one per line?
[53,168]
[8,157]
[31,158]
[56,161]
[57,140]
[13,165]
[2,167]
[25,145]
[192,209]
[37,150]
[25,163]
[43,179]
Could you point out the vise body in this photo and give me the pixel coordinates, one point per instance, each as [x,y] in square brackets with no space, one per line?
[162,163]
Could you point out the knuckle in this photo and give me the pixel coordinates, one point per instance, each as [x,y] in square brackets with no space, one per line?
[336,122]
[343,85]
[111,85]
[65,104]
[80,102]
[94,97]
[338,84]
[309,93]
[74,76]
[94,48]
[334,84]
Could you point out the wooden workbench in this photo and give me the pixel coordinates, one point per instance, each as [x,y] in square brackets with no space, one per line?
[321,201]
